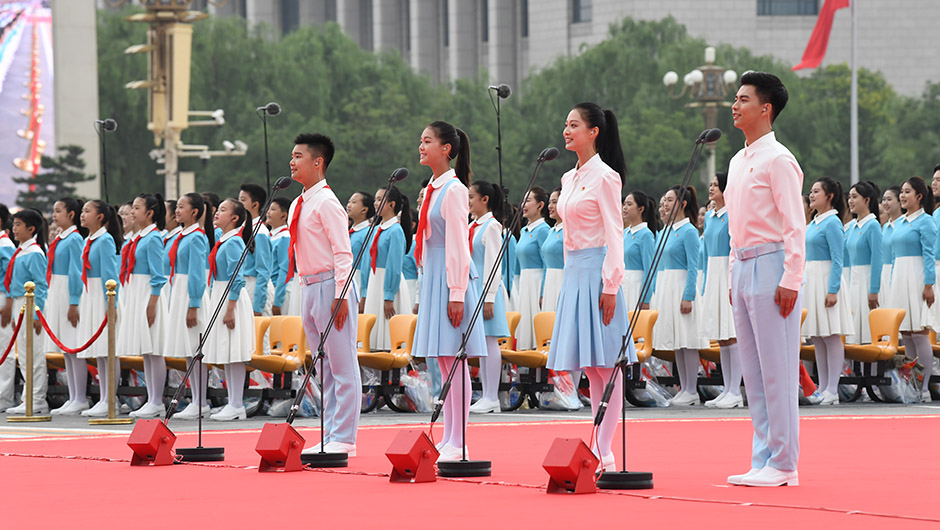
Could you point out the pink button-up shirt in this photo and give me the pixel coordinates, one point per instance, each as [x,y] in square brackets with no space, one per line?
[764,202]
[322,235]
[589,206]
[455,209]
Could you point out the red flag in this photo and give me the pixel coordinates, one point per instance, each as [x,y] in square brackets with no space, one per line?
[819,40]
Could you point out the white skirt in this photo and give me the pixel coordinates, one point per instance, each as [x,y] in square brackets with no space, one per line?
[57,315]
[250,283]
[552,289]
[885,282]
[292,297]
[822,321]
[224,345]
[674,330]
[632,285]
[859,287]
[91,311]
[413,291]
[907,293]
[514,295]
[179,340]
[530,290]
[135,336]
[715,308]
[375,305]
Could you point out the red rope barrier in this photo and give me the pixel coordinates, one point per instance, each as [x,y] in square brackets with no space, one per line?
[66,349]
[16,331]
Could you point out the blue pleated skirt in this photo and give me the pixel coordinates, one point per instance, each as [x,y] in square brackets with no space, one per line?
[434,335]
[580,339]
[496,326]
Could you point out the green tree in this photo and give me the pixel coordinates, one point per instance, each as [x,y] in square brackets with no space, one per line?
[64,171]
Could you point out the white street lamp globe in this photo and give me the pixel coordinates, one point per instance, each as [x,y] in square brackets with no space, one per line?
[687,79]
[697,76]
[729,77]
[710,55]
[671,78]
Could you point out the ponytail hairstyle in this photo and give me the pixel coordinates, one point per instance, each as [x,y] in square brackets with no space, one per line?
[197,202]
[6,220]
[540,195]
[74,207]
[111,221]
[403,210]
[494,197]
[691,203]
[243,219]
[869,190]
[368,200]
[34,218]
[722,180]
[833,187]
[607,143]
[921,188]
[459,144]
[896,191]
[650,212]
[153,202]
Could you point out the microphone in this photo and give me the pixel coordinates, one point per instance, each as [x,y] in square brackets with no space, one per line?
[108,124]
[283,183]
[503,90]
[712,135]
[398,175]
[271,109]
[549,153]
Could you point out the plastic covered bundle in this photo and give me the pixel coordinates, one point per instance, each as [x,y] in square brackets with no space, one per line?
[417,390]
[654,394]
[563,397]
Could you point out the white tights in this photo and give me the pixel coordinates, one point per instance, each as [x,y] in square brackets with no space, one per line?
[830,358]
[155,378]
[457,404]
[235,383]
[687,363]
[920,343]
[76,374]
[490,369]
[198,380]
[103,382]
[598,378]
[731,369]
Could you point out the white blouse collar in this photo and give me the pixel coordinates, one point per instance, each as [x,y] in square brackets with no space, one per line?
[821,216]
[637,228]
[865,219]
[529,227]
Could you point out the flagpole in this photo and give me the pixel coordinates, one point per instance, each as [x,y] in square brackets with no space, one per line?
[854,98]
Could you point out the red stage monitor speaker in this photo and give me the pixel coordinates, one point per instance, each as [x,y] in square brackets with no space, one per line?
[280,446]
[412,456]
[152,443]
[570,465]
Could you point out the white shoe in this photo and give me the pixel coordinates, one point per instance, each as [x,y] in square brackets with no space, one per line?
[683,399]
[484,406]
[229,413]
[769,477]
[440,445]
[191,412]
[449,453]
[736,480]
[100,410]
[149,411]
[341,447]
[58,410]
[924,397]
[713,403]
[73,408]
[731,402]
[815,398]
[607,464]
[311,450]
[829,399]
[42,408]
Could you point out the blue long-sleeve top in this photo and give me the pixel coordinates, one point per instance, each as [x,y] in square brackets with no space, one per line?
[510,265]
[715,240]
[639,245]
[682,252]
[529,249]
[887,254]
[104,260]
[149,258]
[915,235]
[825,241]
[30,266]
[226,258]
[68,262]
[7,248]
[409,267]
[864,248]
[168,239]
[357,240]
[553,249]
[192,260]
[390,255]
[259,264]
[280,245]
[846,230]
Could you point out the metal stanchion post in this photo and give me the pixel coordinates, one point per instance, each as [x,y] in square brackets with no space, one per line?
[29,308]
[112,418]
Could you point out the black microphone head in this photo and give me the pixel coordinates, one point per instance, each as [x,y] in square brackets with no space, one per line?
[712,135]
[283,183]
[549,153]
[109,125]
[399,174]
[273,109]
[504,91]
[702,135]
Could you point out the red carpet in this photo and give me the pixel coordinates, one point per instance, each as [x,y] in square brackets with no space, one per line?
[858,472]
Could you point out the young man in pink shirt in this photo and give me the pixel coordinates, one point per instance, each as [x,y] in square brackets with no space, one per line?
[320,250]
[765,209]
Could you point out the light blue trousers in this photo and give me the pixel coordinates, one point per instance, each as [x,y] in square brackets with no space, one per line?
[342,384]
[769,347]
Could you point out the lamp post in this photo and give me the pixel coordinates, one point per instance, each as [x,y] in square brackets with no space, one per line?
[709,87]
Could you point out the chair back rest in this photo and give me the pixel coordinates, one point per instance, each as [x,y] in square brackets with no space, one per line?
[261,326]
[364,331]
[401,331]
[643,332]
[885,324]
[293,339]
[512,318]
[544,324]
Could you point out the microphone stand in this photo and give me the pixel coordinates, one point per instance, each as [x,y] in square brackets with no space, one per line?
[267,162]
[499,164]
[322,458]
[99,128]
[624,479]
[213,454]
[464,467]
